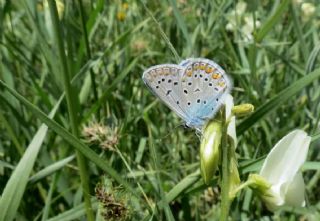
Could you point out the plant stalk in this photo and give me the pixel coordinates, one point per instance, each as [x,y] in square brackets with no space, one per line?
[225,183]
[72,104]
[88,50]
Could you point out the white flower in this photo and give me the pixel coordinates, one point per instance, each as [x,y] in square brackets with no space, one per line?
[281,171]
[249,26]
[308,9]
[235,15]
[241,7]
[231,130]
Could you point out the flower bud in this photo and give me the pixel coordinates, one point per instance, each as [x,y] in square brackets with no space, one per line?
[242,110]
[210,150]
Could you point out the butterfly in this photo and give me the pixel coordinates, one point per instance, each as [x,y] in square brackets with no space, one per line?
[195,89]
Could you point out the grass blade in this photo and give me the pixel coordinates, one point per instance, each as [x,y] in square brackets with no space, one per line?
[277,100]
[75,213]
[184,184]
[13,191]
[72,140]
[50,169]
[273,19]
[72,102]
[182,25]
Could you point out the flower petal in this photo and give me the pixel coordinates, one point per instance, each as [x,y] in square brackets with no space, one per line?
[231,130]
[286,157]
[281,169]
[295,192]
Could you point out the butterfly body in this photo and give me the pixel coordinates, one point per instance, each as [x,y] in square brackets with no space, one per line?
[194,89]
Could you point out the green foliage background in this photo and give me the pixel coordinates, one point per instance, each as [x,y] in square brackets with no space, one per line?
[269,48]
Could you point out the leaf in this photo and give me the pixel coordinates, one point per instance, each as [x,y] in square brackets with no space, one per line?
[181,25]
[277,100]
[272,20]
[75,213]
[72,140]
[184,184]
[50,169]
[16,185]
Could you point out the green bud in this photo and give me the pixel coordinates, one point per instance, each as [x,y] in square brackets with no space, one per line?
[210,150]
[242,110]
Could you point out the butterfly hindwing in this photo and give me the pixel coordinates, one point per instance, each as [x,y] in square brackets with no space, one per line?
[204,84]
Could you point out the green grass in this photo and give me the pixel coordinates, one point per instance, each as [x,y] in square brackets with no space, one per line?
[61,74]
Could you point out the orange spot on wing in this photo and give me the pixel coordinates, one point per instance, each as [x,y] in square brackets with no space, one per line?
[189,71]
[202,66]
[221,84]
[159,71]
[209,69]
[166,71]
[216,76]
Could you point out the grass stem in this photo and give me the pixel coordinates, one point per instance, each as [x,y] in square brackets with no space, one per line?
[72,104]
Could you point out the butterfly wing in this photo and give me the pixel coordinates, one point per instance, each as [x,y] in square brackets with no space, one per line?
[204,85]
[164,81]
[195,89]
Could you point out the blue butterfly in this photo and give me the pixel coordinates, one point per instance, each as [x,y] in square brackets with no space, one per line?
[195,89]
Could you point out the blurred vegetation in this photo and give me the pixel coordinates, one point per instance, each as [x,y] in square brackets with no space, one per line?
[136,154]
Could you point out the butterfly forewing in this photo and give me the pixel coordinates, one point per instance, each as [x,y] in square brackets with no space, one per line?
[165,82]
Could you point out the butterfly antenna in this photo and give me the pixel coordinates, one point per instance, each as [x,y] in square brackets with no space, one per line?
[174,129]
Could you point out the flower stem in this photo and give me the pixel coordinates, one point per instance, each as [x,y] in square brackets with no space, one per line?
[225,183]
